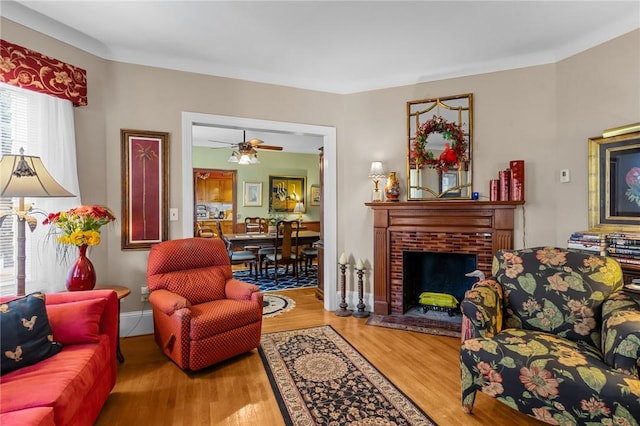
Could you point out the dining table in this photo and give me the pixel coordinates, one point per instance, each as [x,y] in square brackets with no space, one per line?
[257,239]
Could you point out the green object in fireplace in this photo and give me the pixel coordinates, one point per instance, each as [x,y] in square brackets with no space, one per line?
[441,300]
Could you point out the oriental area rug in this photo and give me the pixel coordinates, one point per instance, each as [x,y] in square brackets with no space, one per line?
[320,379]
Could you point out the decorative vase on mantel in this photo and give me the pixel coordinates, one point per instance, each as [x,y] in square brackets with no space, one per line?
[82,275]
[392,189]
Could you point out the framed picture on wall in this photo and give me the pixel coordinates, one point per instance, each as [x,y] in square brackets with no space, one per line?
[614,182]
[145,188]
[252,194]
[285,192]
[314,196]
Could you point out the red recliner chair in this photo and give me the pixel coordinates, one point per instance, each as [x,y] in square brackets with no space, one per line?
[201,314]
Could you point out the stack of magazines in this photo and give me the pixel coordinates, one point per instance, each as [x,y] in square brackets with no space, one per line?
[591,241]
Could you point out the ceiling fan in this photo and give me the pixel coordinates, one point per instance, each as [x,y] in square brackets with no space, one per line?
[246,150]
[249,146]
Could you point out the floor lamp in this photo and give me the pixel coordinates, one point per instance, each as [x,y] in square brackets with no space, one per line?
[25,176]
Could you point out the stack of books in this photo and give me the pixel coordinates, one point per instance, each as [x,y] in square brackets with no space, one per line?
[591,241]
[625,247]
[510,183]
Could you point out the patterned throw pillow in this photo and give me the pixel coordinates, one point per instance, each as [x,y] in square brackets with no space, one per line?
[26,334]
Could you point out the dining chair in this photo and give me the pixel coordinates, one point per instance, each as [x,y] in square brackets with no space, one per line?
[307,254]
[258,225]
[286,243]
[204,231]
[238,257]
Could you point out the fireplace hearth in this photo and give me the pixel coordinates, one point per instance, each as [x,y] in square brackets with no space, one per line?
[479,228]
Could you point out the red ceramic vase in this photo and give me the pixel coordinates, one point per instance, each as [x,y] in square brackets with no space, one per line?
[82,275]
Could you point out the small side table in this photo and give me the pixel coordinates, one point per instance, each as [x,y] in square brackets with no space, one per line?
[121,292]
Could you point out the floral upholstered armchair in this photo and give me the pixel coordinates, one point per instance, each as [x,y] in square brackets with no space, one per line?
[551,334]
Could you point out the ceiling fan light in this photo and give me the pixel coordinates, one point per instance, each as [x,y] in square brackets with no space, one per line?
[233,158]
[244,159]
[255,160]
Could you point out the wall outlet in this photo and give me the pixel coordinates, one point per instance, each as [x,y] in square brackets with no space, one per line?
[144,294]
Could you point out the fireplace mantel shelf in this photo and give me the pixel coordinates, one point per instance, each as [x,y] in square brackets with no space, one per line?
[442,204]
[465,226]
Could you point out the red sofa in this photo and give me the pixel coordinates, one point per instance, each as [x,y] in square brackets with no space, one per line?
[70,387]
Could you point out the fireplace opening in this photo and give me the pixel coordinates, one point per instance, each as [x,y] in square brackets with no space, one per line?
[435,272]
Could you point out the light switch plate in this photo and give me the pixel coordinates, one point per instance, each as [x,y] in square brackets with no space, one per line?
[565,176]
[173,214]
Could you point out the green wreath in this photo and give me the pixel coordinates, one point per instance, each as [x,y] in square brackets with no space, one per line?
[452,155]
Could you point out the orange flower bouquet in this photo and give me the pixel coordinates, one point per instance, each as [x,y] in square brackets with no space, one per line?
[80,225]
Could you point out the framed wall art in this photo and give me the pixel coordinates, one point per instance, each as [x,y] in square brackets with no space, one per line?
[145,188]
[252,194]
[314,196]
[285,192]
[614,182]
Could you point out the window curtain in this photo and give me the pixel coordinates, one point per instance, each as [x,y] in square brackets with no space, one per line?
[49,134]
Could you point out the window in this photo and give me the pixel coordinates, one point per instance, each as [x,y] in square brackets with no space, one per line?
[43,126]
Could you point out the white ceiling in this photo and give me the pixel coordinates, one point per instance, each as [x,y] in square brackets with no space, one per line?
[220,137]
[334,46]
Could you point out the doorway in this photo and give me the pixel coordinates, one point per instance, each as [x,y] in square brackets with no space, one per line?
[328,134]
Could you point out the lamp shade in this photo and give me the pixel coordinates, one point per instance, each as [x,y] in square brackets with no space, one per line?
[299,207]
[25,176]
[376,171]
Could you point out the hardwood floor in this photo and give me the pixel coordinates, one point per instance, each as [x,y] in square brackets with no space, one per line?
[151,390]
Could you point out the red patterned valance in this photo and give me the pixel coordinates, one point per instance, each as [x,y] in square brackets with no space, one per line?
[31,70]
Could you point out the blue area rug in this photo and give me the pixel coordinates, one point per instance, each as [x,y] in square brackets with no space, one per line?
[285,282]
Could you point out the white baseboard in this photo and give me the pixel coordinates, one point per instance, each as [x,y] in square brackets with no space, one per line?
[136,323]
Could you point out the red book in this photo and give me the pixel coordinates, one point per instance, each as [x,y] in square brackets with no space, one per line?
[494,184]
[517,180]
[505,177]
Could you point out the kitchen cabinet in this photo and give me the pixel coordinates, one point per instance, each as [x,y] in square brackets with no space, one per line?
[214,192]
[215,188]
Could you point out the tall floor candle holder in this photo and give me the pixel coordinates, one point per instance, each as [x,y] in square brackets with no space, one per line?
[360,313]
[343,311]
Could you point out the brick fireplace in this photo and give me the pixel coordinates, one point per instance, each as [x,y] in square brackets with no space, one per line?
[476,227]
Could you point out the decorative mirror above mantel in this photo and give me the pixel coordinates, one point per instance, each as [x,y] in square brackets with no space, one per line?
[439,148]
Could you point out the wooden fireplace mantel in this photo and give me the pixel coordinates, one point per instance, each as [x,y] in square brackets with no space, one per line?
[480,227]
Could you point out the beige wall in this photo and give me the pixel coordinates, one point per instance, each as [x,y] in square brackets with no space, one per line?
[542,115]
